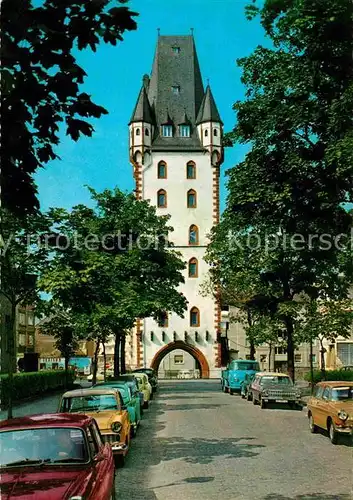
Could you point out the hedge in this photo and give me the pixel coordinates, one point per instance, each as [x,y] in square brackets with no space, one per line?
[33,383]
[330,375]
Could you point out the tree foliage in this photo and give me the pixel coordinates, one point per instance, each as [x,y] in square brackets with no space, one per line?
[290,190]
[41,82]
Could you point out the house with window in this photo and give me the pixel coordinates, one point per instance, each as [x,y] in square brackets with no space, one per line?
[176,151]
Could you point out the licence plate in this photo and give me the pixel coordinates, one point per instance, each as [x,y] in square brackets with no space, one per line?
[281,400]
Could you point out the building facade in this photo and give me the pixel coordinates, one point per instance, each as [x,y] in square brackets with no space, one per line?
[176,151]
[270,357]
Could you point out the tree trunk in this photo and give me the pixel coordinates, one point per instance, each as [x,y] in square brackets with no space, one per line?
[251,341]
[95,362]
[67,358]
[116,355]
[11,336]
[311,367]
[322,359]
[104,361]
[122,353]
[271,358]
[290,347]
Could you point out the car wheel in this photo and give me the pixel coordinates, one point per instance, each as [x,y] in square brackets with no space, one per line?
[254,402]
[133,431]
[312,426]
[146,405]
[231,392]
[248,396]
[332,433]
[242,395]
[225,389]
[262,404]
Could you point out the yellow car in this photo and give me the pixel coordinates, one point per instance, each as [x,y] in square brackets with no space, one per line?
[107,408]
[144,387]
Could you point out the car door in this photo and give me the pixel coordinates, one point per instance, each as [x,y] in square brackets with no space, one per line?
[254,388]
[125,435]
[319,418]
[103,463]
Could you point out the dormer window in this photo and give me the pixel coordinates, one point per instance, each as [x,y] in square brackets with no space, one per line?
[184,130]
[167,131]
[176,89]
[176,50]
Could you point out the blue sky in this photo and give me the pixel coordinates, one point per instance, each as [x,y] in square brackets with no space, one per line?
[222,34]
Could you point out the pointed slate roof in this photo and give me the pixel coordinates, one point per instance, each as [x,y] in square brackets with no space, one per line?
[176,69]
[142,111]
[185,120]
[208,110]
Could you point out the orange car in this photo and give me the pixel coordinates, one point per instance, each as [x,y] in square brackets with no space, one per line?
[331,409]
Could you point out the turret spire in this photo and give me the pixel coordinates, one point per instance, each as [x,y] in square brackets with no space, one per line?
[208,110]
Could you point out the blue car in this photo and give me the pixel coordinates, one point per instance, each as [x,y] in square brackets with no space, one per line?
[234,375]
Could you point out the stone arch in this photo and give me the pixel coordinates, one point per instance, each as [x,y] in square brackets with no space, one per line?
[191,349]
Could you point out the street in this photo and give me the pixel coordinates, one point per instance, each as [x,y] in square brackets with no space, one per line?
[196,442]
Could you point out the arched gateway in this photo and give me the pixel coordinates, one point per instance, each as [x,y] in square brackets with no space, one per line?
[191,349]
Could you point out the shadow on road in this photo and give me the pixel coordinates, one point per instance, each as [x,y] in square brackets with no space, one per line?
[200,450]
[310,496]
[166,407]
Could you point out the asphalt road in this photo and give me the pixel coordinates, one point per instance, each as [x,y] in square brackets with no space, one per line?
[197,443]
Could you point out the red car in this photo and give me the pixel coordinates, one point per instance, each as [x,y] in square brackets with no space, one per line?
[55,457]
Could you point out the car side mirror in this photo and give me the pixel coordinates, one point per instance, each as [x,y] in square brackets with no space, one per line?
[98,458]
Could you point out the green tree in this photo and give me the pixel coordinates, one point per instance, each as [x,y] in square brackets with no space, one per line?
[113,263]
[41,82]
[293,184]
[22,258]
[63,327]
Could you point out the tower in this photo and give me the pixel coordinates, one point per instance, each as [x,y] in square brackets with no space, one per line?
[176,151]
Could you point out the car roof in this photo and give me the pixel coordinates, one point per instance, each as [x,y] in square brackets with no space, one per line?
[88,392]
[47,420]
[337,383]
[272,374]
[121,383]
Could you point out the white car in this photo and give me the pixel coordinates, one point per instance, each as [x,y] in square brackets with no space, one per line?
[185,374]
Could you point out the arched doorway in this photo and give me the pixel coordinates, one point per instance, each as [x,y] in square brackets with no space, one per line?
[195,353]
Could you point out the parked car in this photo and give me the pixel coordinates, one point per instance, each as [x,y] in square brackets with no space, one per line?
[131,380]
[55,456]
[132,402]
[245,386]
[106,406]
[144,387]
[152,377]
[100,375]
[234,375]
[331,409]
[274,388]
[185,374]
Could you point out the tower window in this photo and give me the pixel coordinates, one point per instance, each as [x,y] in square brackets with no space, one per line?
[191,199]
[138,131]
[163,321]
[193,268]
[167,131]
[176,89]
[162,199]
[184,130]
[162,170]
[215,132]
[191,170]
[176,50]
[194,317]
[206,133]
[193,235]
[147,132]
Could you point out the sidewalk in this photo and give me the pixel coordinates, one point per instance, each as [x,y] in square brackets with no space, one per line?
[41,404]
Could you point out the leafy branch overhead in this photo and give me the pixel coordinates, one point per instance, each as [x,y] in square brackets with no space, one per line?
[41,81]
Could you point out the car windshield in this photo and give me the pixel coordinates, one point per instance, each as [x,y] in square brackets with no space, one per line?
[96,402]
[33,447]
[245,366]
[273,380]
[342,393]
